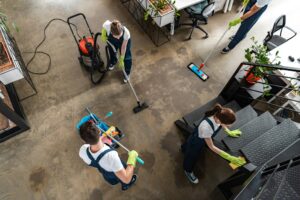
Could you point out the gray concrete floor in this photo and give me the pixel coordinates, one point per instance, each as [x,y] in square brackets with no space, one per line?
[43,162]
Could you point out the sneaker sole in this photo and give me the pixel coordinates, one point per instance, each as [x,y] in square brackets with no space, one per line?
[223,52]
[194,182]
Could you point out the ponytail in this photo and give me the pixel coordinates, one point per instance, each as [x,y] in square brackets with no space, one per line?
[225,115]
[217,109]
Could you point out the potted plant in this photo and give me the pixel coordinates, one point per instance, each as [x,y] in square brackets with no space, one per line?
[162,11]
[5,58]
[258,54]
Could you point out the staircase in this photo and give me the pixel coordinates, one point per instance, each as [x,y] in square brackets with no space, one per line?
[270,144]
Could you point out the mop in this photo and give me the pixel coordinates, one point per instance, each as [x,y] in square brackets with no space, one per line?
[197,70]
[109,133]
[140,106]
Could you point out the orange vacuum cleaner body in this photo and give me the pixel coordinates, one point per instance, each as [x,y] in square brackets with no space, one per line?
[86,45]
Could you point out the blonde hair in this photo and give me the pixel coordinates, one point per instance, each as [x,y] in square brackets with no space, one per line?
[116,27]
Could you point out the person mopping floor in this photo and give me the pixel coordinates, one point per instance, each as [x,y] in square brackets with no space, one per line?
[119,36]
[252,12]
[214,120]
[97,154]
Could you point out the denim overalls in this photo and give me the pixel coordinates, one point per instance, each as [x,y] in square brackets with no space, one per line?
[193,146]
[247,24]
[110,177]
[118,44]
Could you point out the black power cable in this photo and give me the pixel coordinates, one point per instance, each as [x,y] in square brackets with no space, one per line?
[42,52]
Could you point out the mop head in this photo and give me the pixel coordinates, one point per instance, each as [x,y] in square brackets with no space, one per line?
[233,166]
[140,107]
[194,68]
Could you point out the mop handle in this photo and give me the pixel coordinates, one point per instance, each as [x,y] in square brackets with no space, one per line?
[133,90]
[121,145]
[116,141]
[221,38]
[126,76]
[216,45]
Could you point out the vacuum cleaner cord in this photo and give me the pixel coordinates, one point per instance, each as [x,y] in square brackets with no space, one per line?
[42,52]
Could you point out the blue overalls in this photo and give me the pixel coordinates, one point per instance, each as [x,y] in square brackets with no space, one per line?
[193,146]
[247,24]
[110,177]
[118,44]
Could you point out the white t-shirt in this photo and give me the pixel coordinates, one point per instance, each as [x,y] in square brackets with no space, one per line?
[262,3]
[204,129]
[110,161]
[107,24]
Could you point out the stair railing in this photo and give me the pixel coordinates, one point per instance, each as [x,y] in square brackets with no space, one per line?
[238,89]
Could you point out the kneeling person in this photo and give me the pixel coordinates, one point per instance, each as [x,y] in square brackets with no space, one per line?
[97,154]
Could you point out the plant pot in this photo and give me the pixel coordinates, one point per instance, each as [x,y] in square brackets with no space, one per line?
[250,78]
[165,16]
[5,60]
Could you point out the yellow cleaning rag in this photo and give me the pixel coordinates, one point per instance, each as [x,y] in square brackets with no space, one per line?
[233,166]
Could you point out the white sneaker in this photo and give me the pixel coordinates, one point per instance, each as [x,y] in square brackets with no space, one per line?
[111,67]
[125,80]
[191,176]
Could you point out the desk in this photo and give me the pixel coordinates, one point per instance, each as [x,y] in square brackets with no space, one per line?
[290,48]
[180,5]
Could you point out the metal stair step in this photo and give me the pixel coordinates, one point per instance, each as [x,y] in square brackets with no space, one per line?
[290,152]
[251,131]
[198,114]
[272,187]
[232,105]
[271,143]
[242,117]
[293,178]
[287,192]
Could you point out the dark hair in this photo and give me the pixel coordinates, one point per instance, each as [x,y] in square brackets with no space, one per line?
[225,115]
[89,133]
[116,27]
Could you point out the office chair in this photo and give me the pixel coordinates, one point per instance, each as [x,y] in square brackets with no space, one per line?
[272,41]
[199,14]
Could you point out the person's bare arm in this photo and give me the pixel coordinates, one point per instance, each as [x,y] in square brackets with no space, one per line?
[123,48]
[251,12]
[125,175]
[211,146]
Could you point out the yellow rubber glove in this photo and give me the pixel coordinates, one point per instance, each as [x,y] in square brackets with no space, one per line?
[235,22]
[121,62]
[103,35]
[232,159]
[233,133]
[132,155]
[245,2]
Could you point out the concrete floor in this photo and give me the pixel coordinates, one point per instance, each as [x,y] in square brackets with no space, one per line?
[43,163]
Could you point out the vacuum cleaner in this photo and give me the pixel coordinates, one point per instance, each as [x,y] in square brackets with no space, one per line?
[140,105]
[89,51]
